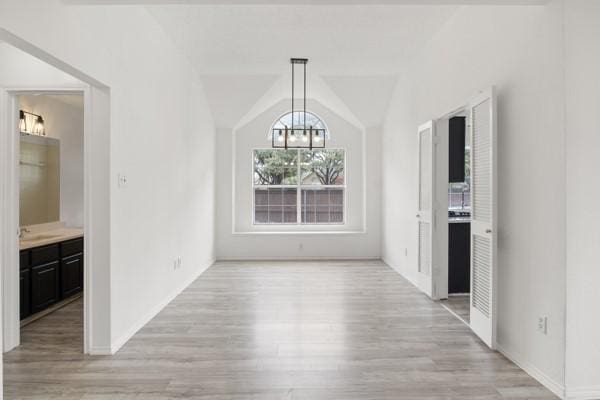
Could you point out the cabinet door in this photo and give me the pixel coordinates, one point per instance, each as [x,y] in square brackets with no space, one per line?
[44,286]
[71,271]
[25,293]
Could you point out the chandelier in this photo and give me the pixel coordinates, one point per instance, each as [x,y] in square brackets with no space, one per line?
[298,134]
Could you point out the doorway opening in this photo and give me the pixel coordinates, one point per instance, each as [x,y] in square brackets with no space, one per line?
[51,226]
[457,213]
[39,274]
[459,218]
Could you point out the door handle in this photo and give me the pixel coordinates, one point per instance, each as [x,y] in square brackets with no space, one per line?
[418,215]
[488,231]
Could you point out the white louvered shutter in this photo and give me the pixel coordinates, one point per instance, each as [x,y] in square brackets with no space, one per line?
[482,125]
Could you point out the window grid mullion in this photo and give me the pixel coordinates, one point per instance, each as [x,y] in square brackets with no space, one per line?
[302,192]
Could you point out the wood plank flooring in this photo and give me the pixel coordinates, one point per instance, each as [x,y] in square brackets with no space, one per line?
[460,305]
[275,331]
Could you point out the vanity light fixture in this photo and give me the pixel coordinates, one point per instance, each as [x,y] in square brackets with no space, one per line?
[37,123]
[38,128]
[22,121]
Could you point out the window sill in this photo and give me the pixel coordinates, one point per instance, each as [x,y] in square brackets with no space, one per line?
[300,233]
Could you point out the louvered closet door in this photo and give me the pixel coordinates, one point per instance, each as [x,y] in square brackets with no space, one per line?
[425,207]
[482,110]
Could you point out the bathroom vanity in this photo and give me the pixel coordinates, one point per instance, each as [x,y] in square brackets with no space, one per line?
[51,268]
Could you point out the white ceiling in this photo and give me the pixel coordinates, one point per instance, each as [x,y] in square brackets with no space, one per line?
[338,40]
[241,48]
[241,51]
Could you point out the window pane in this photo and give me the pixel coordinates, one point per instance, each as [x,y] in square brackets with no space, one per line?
[322,206]
[275,205]
[261,214]
[322,167]
[275,167]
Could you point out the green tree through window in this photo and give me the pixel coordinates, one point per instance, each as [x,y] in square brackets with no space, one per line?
[299,185]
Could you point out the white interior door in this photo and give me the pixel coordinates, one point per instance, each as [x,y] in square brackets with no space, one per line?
[483,131]
[425,210]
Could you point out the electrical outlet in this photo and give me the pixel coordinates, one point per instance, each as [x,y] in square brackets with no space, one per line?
[543,325]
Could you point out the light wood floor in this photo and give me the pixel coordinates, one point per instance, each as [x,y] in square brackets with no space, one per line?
[264,331]
[460,305]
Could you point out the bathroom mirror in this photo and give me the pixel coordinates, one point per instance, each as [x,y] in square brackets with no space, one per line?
[39,168]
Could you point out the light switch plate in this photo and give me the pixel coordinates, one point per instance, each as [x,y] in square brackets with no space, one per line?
[122,179]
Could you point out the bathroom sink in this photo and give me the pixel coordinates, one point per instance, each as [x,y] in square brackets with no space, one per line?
[41,236]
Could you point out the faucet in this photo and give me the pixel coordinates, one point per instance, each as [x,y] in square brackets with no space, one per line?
[22,232]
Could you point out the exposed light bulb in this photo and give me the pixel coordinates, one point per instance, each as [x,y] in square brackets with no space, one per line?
[22,121]
[304,138]
[292,138]
[317,138]
[280,137]
[38,127]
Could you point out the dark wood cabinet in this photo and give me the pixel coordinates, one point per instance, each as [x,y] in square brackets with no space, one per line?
[71,275]
[459,258]
[44,286]
[24,294]
[50,274]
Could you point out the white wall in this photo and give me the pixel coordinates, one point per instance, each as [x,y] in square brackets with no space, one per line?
[582,35]
[19,69]
[518,49]
[64,121]
[162,140]
[239,238]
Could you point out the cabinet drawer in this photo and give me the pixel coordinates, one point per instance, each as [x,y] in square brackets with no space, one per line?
[71,247]
[44,255]
[24,260]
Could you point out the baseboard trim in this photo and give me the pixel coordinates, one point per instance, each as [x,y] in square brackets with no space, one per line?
[584,393]
[550,384]
[139,324]
[100,351]
[391,265]
[296,258]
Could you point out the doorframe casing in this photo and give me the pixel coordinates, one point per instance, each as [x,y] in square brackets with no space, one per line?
[9,206]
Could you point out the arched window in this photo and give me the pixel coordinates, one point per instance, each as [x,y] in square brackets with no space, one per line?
[296,119]
[294,124]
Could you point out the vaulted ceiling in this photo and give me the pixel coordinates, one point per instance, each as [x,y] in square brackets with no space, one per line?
[243,51]
[241,48]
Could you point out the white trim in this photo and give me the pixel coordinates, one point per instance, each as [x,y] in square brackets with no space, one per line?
[99,351]
[583,393]
[551,384]
[117,343]
[296,258]
[299,232]
[397,269]
[10,205]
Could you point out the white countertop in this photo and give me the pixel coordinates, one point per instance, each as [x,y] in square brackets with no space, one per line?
[44,234]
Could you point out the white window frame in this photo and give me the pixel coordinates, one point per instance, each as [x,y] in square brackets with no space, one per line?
[299,186]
